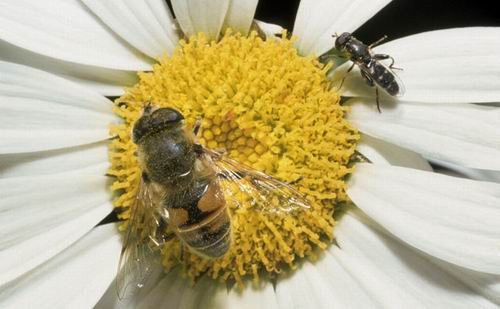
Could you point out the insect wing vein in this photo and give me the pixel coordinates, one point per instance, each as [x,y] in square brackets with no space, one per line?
[141,248]
[263,193]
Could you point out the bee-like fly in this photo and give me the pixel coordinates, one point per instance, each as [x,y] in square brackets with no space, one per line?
[374,72]
[185,192]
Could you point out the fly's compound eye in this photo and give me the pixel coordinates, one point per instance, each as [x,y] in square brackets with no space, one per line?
[158,120]
[165,116]
[342,40]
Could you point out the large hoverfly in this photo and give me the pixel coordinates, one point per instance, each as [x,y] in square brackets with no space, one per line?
[184,192]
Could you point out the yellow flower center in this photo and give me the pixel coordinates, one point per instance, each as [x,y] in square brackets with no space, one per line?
[266,106]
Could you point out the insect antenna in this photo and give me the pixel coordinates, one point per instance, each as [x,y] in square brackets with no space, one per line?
[377,42]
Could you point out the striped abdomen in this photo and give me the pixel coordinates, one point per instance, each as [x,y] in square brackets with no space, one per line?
[200,218]
[384,78]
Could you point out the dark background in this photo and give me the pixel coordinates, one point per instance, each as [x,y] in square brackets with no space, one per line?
[400,17]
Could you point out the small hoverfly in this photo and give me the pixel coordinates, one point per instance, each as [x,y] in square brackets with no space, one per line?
[374,72]
[184,192]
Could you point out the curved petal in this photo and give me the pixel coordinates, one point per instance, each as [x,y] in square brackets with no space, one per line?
[451,218]
[173,291]
[325,284]
[85,159]
[464,134]
[169,292]
[240,15]
[485,284]
[444,66]
[362,240]
[270,30]
[250,298]
[206,293]
[104,81]
[196,16]
[381,152]
[66,30]
[43,215]
[146,25]
[318,20]
[40,111]
[76,278]
[153,293]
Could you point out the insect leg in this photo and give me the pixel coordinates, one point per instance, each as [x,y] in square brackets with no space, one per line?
[367,78]
[181,255]
[145,177]
[377,42]
[384,57]
[345,76]
[197,126]
[295,181]
[370,83]
[377,99]
[148,108]
[361,157]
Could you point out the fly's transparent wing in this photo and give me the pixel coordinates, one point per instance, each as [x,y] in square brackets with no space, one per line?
[143,240]
[246,187]
[401,85]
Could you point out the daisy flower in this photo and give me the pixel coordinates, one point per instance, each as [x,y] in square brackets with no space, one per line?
[392,233]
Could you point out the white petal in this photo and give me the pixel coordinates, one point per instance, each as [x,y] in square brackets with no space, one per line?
[269,29]
[146,25]
[485,284]
[453,219]
[205,16]
[397,267]
[381,152]
[40,111]
[168,293]
[76,278]
[250,298]
[464,134]
[43,215]
[173,291]
[325,283]
[318,20]
[154,294]
[66,30]
[240,15]
[207,293]
[107,82]
[444,66]
[82,159]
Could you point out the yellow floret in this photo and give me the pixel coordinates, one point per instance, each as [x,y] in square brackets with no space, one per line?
[269,108]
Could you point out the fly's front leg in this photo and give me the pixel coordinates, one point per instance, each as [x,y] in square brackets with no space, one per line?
[370,83]
[378,100]
[181,254]
[345,76]
[197,126]
[367,78]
